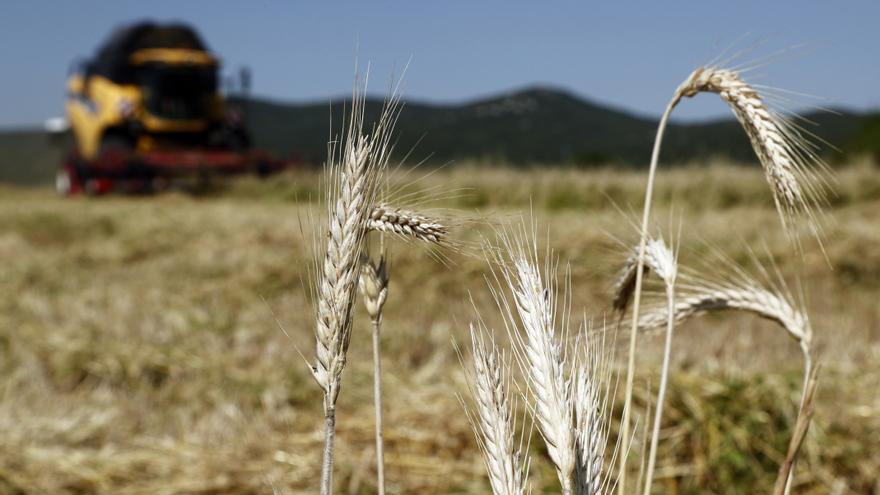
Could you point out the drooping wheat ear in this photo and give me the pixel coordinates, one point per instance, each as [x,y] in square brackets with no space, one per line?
[701,299]
[494,424]
[407,224]
[790,164]
[658,258]
[374,290]
[354,170]
[738,291]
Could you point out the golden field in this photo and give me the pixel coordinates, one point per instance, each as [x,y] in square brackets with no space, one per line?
[151,345]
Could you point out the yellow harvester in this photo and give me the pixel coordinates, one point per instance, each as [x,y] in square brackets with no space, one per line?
[148,108]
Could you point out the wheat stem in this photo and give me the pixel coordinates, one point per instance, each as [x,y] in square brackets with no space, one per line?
[377,397]
[661,393]
[327,460]
[662,261]
[802,425]
[637,296]
[373,286]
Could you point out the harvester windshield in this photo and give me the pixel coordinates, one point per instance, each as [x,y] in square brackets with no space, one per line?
[173,91]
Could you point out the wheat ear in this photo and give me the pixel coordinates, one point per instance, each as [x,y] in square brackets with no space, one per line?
[354,177]
[545,367]
[564,380]
[738,291]
[590,410]
[494,424]
[710,296]
[407,224]
[374,290]
[785,154]
[791,167]
[658,258]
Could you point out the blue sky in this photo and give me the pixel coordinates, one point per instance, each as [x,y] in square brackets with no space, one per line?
[628,54]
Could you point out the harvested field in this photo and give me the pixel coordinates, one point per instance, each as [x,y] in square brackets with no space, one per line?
[150,344]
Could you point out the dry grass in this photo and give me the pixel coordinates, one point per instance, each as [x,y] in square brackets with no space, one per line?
[138,355]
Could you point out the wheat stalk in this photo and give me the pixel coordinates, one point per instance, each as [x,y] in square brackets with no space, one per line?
[355,169]
[374,291]
[789,164]
[494,424]
[662,261]
[406,223]
[802,425]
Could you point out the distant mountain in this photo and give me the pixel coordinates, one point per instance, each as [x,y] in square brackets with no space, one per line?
[535,125]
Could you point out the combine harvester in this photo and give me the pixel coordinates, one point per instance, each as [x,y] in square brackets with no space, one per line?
[146,113]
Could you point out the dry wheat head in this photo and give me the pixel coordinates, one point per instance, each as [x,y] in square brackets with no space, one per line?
[792,168]
[733,288]
[494,424]
[407,224]
[374,285]
[355,170]
[658,258]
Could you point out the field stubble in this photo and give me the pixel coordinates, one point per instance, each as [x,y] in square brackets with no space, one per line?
[140,351]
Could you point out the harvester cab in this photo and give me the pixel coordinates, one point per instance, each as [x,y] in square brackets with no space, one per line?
[147,109]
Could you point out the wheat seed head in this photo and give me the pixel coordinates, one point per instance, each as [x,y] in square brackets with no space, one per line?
[374,285]
[494,423]
[659,259]
[723,285]
[591,375]
[785,150]
[354,169]
[407,224]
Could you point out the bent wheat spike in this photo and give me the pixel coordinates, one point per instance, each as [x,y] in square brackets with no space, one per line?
[792,169]
[755,300]
[657,258]
[384,218]
[782,151]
